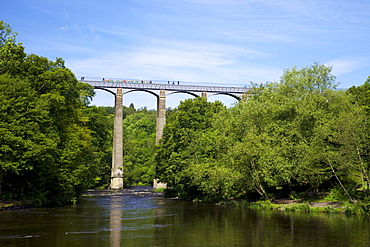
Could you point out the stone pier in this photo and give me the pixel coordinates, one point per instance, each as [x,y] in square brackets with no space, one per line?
[161,122]
[161,115]
[117,157]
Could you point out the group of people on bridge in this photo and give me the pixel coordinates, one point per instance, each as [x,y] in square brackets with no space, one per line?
[132,81]
[178,82]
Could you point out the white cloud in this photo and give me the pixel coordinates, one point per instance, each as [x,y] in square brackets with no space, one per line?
[341,66]
[185,61]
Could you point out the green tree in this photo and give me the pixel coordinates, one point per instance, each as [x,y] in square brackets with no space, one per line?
[139,147]
[356,141]
[101,125]
[286,132]
[12,54]
[26,140]
[178,150]
[47,150]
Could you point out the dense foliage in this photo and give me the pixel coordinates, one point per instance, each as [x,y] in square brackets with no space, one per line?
[297,135]
[139,146]
[186,143]
[48,149]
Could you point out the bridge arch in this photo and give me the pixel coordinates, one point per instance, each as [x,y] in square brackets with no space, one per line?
[185,92]
[156,94]
[234,96]
[109,90]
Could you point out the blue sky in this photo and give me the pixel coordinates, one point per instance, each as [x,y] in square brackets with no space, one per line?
[219,42]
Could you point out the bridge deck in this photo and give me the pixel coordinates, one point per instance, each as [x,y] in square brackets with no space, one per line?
[171,87]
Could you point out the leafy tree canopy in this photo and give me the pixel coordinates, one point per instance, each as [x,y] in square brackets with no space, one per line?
[300,133]
[46,150]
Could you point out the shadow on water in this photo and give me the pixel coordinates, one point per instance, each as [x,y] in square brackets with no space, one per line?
[134,218]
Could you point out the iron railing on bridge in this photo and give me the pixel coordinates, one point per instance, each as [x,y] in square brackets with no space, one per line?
[174,86]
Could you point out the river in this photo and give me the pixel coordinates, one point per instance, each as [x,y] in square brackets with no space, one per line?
[135,220]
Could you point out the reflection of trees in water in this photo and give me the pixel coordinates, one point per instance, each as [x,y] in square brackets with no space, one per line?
[143,221]
[163,221]
[198,224]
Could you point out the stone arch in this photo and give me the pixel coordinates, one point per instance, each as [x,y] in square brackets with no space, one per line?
[109,90]
[238,98]
[141,90]
[187,92]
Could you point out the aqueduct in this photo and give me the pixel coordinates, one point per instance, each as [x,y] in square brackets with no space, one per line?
[160,91]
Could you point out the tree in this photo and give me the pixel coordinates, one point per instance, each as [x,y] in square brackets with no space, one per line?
[46,150]
[139,147]
[7,35]
[288,132]
[26,142]
[178,150]
[101,126]
[12,54]
[356,141]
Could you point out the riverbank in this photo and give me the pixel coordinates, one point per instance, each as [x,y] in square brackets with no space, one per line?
[357,208]
[8,205]
[299,205]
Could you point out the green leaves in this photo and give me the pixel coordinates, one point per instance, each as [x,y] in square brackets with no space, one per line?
[46,150]
[139,146]
[215,182]
[298,133]
[188,140]
[7,35]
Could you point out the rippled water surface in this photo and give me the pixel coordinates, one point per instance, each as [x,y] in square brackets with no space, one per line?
[156,221]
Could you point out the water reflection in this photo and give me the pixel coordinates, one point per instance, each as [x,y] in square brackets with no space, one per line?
[152,221]
[196,224]
[115,221]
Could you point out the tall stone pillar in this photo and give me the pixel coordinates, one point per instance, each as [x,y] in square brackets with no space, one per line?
[161,115]
[117,157]
[204,95]
[161,122]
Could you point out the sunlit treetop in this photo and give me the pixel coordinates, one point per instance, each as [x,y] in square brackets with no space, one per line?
[6,34]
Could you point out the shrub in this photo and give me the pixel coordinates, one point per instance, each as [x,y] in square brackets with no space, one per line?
[262,205]
[330,209]
[352,208]
[302,207]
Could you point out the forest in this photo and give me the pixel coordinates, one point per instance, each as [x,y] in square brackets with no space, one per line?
[298,136]
[53,144]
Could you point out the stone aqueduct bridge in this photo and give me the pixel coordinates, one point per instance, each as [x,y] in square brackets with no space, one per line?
[160,91]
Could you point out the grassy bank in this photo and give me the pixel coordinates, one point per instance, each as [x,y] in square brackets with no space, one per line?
[357,208]
[16,204]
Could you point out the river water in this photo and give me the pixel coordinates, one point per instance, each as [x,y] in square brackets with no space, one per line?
[134,220]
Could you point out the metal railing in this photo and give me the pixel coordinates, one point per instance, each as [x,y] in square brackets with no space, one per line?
[175,86]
